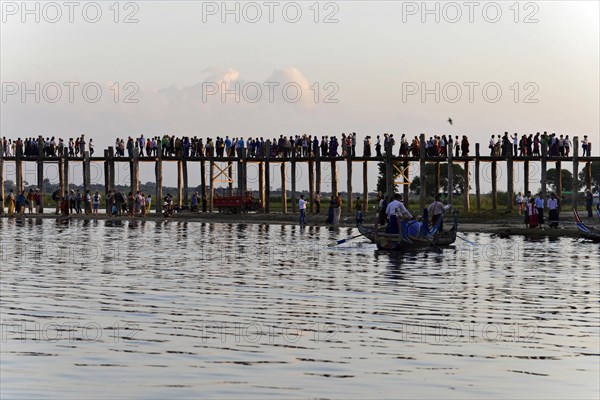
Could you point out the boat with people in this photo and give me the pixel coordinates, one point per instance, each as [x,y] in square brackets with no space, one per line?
[585,231]
[413,234]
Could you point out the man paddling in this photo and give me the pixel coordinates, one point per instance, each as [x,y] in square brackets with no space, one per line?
[394,210]
[436,210]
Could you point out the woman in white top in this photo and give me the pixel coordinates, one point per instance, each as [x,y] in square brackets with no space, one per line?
[520,202]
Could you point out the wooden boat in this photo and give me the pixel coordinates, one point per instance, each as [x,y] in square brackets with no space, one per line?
[587,232]
[405,241]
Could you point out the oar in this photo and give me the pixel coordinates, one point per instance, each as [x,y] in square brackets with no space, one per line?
[466,240]
[342,241]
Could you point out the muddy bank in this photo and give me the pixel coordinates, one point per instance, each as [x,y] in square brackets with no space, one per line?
[501,225]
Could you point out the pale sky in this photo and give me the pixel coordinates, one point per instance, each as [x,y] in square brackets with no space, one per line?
[371,56]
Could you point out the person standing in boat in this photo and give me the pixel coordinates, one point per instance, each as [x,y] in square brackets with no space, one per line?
[396,211]
[436,210]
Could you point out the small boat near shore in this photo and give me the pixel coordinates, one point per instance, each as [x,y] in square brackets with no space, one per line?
[407,240]
[587,232]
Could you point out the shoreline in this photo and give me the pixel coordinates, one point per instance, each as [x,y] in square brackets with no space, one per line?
[502,226]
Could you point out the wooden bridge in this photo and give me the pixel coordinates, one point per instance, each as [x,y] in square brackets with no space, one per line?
[218,173]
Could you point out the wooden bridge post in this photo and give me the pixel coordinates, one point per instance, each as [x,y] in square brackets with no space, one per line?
[211,192]
[389,174]
[311,185]
[40,177]
[334,178]
[559,186]
[106,180]
[267,191]
[588,175]
[406,188]
[494,185]
[203,199]
[466,195]
[293,163]
[422,183]
[318,174]
[349,183]
[437,178]
[111,168]
[65,173]
[180,182]
[62,166]
[510,184]
[283,188]
[19,170]
[575,170]
[366,187]
[86,172]
[230,171]
[544,172]
[450,177]
[525,177]
[261,184]
[184,171]
[158,178]
[2,199]
[477,181]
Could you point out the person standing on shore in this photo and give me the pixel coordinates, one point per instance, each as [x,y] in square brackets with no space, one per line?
[131,204]
[553,211]
[194,203]
[302,208]
[520,203]
[539,205]
[11,203]
[358,205]
[318,202]
[87,202]
[96,203]
[589,201]
[78,202]
[531,215]
[337,209]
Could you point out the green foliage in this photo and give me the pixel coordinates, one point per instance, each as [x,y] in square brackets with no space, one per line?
[458,173]
[595,177]
[552,180]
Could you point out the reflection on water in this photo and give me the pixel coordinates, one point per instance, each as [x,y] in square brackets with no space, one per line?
[174,309]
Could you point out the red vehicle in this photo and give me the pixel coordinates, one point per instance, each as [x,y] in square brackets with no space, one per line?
[235,204]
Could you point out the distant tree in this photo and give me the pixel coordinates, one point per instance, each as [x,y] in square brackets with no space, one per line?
[552,180]
[382,178]
[595,177]
[458,180]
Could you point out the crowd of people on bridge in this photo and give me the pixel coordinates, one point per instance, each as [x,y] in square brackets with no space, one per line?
[47,147]
[298,146]
[531,145]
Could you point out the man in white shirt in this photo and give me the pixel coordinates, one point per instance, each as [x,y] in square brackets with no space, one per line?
[436,210]
[396,207]
[302,207]
[553,211]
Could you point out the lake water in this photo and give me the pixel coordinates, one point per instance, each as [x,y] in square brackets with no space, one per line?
[170,309]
